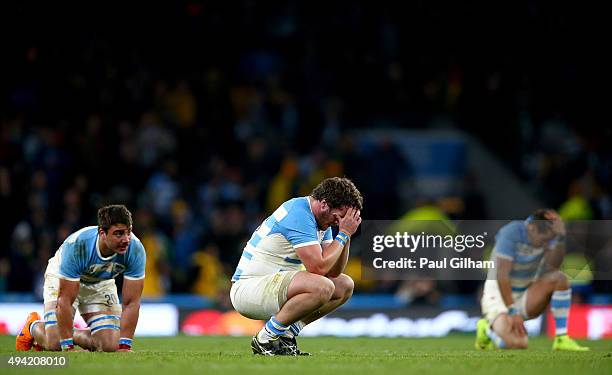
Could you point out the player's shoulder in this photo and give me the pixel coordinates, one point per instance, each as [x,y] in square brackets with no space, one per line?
[297,206]
[512,231]
[86,234]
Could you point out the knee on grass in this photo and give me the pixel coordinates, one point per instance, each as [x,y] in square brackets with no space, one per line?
[106,344]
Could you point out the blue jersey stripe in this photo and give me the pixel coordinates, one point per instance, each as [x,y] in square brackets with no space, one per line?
[292,261]
[524,259]
[247,255]
[254,240]
[237,274]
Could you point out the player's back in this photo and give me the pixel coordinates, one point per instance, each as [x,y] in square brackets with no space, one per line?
[272,246]
[512,243]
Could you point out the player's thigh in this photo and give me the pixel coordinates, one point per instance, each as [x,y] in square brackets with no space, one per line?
[306,282]
[492,303]
[343,286]
[105,329]
[539,293]
[99,307]
[97,298]
[50,294]
[261,297]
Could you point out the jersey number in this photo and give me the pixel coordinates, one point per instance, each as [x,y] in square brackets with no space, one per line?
[111,299]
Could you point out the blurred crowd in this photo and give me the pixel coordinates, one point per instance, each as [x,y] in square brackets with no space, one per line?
[206,117]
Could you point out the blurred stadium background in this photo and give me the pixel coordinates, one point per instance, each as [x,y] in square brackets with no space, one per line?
[202,117]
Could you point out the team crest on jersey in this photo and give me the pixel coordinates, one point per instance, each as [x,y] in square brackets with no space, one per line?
[113,269]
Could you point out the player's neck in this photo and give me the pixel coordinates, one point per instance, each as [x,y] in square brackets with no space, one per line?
[104,250]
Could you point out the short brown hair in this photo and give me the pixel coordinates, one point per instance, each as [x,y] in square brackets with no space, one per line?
[112,215]
[539,219]
[338,192]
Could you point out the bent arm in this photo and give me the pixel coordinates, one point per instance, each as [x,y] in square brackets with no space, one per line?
[68,291]
[131,294]
[320,260]
[340,264]
[503,280]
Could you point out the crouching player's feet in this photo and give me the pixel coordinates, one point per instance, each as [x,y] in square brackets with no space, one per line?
[24,340]
[271,348]
[564,342]
[483,342]
[290,346]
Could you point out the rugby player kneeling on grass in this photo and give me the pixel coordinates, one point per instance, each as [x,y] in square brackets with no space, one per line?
[81,275]
[525,280]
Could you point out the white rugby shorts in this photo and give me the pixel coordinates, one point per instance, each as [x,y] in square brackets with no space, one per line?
[101,296]
[492,303]
[260,297]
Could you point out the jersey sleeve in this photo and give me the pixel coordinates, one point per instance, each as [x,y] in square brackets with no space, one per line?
[299,228]
[136,262]
[327,236]
[505,244]
[71,266]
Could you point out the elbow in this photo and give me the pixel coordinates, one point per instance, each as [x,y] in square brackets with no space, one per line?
[317,269]
[132,302]
[332,274]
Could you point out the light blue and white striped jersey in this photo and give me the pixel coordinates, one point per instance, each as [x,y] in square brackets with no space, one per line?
[272,246]
[511,243]
[79,259]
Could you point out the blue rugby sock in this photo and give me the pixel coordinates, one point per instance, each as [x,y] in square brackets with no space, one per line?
[272,330]
[497,340]
[559,306]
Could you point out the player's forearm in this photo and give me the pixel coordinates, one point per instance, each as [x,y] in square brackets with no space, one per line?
[340,265]
[505,289]
[329,257]
[64,318]
[129,319]
[554,258]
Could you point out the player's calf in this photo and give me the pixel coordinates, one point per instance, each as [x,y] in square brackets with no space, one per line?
[46,333]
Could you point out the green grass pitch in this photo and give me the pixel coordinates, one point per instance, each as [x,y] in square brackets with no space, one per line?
[373,356]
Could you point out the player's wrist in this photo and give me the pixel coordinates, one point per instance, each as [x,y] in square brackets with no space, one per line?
[342,237]
[512,311]
[67,344]
[125,343]
[344,232]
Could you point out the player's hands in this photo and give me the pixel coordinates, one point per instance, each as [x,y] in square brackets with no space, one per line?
[517,325]
[350,221]
[558,226]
